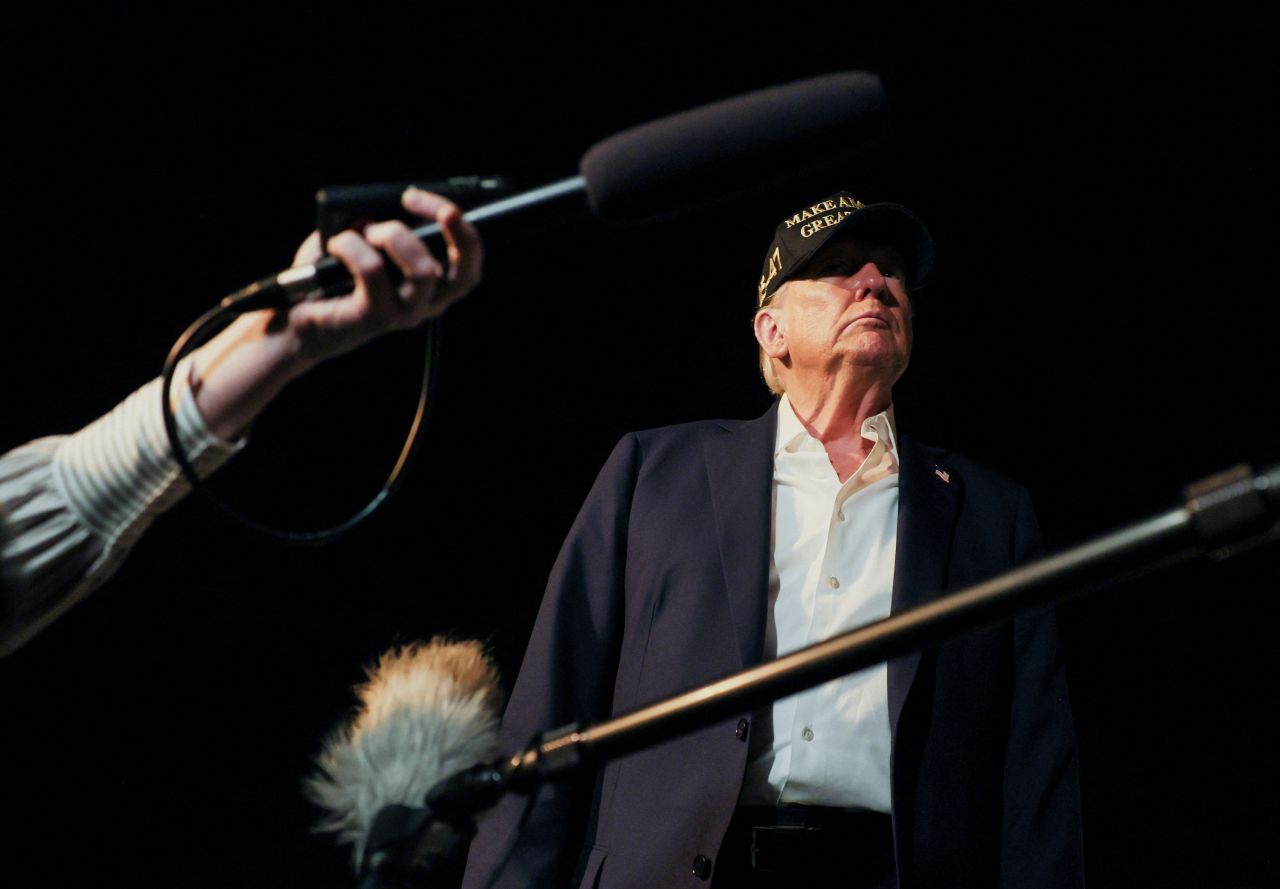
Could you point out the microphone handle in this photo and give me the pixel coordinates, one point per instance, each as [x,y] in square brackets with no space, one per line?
[328,277]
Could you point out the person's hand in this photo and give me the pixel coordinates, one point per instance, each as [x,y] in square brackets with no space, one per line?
[237,373]
[329,327]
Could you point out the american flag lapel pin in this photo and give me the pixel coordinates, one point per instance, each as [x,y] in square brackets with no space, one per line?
[945,476]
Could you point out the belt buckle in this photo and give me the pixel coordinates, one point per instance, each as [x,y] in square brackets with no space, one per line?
[776,847]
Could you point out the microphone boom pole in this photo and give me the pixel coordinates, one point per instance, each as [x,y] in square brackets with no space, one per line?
[668,166]
[1224,513]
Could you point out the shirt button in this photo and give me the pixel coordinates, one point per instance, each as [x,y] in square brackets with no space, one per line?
[807,734]
[833,583]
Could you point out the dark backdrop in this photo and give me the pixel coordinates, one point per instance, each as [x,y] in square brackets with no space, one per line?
[1101,326]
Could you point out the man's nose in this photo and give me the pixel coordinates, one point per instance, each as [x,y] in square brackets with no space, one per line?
[869,281]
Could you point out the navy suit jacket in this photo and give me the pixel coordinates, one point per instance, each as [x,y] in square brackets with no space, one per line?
[662,586]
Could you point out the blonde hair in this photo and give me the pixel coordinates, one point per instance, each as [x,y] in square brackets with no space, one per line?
[770,375]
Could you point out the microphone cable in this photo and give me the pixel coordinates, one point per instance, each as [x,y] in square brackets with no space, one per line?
[196,335]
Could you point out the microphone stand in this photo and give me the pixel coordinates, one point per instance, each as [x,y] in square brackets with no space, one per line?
[1224,514]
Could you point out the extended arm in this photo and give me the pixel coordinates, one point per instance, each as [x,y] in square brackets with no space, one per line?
[72,506]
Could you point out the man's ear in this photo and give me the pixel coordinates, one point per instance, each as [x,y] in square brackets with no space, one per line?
[770,333]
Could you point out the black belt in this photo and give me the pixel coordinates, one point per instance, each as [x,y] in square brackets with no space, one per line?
[797,840]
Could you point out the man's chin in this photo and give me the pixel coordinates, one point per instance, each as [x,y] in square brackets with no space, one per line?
[878,353]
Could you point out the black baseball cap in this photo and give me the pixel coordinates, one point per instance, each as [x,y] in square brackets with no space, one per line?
[805,232]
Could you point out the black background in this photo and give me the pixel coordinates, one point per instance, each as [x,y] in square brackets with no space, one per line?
[1101,326]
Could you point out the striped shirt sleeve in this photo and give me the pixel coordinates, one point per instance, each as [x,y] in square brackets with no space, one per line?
[72,506]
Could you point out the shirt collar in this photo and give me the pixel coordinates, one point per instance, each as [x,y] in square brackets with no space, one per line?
[793,437]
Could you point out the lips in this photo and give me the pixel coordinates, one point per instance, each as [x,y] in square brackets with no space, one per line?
[872,316]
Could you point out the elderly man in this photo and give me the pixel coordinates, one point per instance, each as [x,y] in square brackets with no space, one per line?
[707,547]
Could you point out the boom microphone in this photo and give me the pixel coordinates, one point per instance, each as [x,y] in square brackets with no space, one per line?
[666,167]
[427,712]
[732,147]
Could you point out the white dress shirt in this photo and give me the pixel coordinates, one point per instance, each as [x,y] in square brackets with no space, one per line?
[832,570]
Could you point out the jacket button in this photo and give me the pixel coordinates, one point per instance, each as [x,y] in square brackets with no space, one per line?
[702,867]
[741,731]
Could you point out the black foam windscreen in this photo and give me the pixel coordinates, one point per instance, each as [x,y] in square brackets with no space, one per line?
[725,149]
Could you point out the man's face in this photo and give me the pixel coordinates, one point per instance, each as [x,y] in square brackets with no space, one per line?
[848,305]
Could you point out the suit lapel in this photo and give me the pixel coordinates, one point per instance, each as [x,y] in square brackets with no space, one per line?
[929,494]
[740,474]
